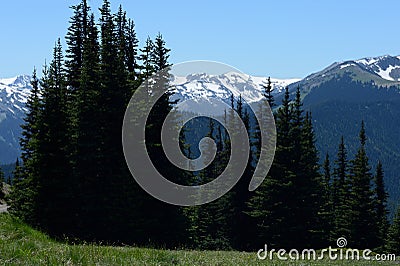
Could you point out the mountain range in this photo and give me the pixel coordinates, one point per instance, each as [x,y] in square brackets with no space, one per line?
[339,97]
[13,96]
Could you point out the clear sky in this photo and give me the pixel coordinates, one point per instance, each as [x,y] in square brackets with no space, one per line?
[281,38]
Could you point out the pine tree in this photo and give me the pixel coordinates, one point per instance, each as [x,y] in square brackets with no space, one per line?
[240,193]
[147,60]
[211,227]
[76,34]
[381,206]
[393,238]
[114,179]
[340,194]
[24,192]
[131,47]
[268,93]
[86,173]
[327,208]
[270,205]
[131,56]
[54,170]
[22,197]
[169,222]
[75,38]
[308,186]
[363,224]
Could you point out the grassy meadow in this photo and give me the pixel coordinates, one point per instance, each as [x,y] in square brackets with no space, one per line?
[22,245]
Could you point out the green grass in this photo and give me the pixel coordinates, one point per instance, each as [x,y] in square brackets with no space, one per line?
[22,245]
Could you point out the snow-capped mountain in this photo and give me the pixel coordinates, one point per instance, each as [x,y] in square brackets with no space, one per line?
[382,70]
[13,96]
[221,86]
[200,87]
[387,67]
[14,93]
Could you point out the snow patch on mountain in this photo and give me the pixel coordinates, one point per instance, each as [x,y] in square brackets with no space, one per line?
[14,92]
[387,67]
[346,65]
[385,74]
[222,86]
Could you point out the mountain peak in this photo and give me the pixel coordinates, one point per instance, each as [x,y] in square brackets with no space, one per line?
[387,66]
[18,81]
[383,70]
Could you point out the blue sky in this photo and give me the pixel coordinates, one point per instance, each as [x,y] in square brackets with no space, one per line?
[282,39]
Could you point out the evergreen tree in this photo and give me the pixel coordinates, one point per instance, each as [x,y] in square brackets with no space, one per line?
[363,224]
[114,179]
[381,206]
[131,47]
[327,208]
[268,93]
[131,56]
[340,194]
[270,205]
[20,201]
[393,239]
[76,34]
[211,227]
[54,170]
[24,192]
[75,38]
[169,222]
[147,60]
[87,155]
[240,193]
[312,204]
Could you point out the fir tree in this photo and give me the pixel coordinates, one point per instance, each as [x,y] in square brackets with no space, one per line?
[54,170]
[269,206]
[113,179]
[87,156]
[76,34]
[393,238]
[240,193]
[340,194]
[131,56]
[327,208]
[363,224]
[155,58]
[131,48]
[308,186]
[23,196]
[212,223]
[20,200]
[147,60]
[268,93]
[381,206]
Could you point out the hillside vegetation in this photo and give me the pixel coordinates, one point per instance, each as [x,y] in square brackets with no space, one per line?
[22,245]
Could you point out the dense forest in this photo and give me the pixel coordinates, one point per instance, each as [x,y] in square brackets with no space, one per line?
[73,183]
[339,105]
